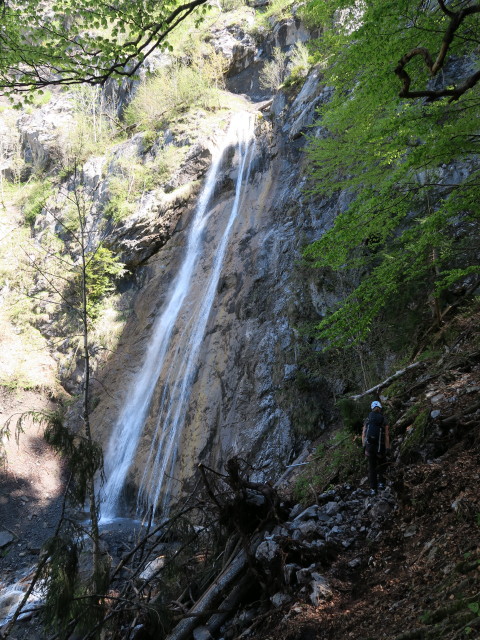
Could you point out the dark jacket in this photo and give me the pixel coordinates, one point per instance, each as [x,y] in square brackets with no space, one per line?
[375,433]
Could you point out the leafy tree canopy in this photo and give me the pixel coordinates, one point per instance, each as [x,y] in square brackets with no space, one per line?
[81,41]
[406,154]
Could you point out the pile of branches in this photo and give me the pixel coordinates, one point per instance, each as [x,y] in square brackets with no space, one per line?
[191,569]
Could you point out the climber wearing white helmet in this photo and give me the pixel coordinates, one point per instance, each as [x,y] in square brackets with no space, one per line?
[376,441]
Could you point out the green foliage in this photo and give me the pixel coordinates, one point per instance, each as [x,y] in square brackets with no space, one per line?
[338,460]
[353,413]
[35,199]
[296,78]
[299,64]
[61,580]
[102,269]
[273,71]
[96,124]
[69,43]
[274,11]
[414,215]
[231,5]
[176,89]
[416,433]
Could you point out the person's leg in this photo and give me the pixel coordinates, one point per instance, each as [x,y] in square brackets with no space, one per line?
[381,469]
[372,469]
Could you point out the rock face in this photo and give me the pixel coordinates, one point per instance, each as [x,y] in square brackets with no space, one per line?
[248,358]
[43,133]
[243,391]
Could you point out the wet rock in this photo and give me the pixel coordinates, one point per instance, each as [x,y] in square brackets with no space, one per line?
[302,111]
[435,414]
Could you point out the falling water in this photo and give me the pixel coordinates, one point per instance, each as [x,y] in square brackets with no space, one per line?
[180,361]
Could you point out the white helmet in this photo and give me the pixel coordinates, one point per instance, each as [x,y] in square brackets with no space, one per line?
[374,404]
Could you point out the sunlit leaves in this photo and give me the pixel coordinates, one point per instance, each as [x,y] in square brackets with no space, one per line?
[85,41]
[410,165]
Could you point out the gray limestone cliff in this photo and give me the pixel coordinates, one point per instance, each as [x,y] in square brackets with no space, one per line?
[245,398]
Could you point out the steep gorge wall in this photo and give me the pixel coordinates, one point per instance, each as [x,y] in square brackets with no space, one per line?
[245,395]
[245,398]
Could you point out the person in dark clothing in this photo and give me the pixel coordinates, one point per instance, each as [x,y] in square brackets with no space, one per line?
[376,442]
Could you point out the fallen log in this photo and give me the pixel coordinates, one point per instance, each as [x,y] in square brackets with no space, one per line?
[386,382]
[458,417]
[206,602]
[229,604]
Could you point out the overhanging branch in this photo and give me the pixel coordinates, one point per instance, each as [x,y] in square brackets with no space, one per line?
[433,66]
[68,68]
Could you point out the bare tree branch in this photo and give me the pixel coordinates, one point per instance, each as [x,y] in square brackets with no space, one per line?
[456,19]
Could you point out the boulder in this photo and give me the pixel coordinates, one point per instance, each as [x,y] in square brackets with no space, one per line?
[308,514]
[238,47]
[267,551]
[321,590]
[5,538]
[280,599]
[202,633]
[331,508]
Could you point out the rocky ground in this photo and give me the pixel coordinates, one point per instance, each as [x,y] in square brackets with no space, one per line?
[413,572]
[402,564]
[405,563]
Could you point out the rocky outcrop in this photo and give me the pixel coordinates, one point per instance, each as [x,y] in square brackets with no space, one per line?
[11,161]
[44,133]
[237,46]
[142,234]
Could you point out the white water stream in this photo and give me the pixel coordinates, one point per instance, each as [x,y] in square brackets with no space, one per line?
[174,365]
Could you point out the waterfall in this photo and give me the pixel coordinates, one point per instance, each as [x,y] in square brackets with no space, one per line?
[174,365]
